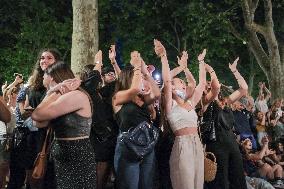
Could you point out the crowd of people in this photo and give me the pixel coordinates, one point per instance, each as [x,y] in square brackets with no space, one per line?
[121,128]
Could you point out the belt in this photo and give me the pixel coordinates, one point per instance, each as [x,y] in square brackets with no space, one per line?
[73,138]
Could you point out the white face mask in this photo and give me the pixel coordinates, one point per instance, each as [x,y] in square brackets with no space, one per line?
[180,94]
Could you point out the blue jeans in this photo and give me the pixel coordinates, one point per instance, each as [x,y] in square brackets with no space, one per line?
[130,172]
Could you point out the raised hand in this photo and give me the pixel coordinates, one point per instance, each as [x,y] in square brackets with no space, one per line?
[112,53]
[19,79]
[159,48]
[208,68]
[144,67]
[99,57]
[135,60]
[151,69]
[183,60]
[260,85]
[202,55]
[233,67]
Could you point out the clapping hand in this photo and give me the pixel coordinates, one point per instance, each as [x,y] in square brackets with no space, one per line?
[202,55]
[99,57]
[183,60]
[112,53]
[159,48]
[135,60]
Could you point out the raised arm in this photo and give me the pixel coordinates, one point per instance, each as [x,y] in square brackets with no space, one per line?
[191,83]
[259,155]
[124,96]
[202,80]
[215,86]
[5,114]
[268,93]
[99,61]
[112,55]
[177,70]
[243,87]
[260,92]
[166,75]
[154,90]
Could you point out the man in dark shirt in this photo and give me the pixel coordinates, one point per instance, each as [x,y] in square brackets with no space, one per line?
[244,122]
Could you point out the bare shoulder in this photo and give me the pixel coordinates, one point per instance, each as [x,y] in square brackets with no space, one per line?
[76,96]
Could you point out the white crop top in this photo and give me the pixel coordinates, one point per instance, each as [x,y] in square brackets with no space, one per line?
[180,118]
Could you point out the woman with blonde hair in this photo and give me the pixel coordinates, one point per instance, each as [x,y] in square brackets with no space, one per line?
[187,158]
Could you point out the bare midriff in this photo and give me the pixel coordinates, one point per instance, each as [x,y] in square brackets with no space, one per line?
[186,131]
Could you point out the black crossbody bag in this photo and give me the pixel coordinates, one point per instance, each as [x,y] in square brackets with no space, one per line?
[141,140]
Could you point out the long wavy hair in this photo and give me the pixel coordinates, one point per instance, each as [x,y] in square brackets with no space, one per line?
[124,80]
[37,74]
[164,123]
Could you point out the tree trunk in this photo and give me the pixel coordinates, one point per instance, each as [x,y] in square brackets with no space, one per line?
[276,81]
[268,57]
[85,37]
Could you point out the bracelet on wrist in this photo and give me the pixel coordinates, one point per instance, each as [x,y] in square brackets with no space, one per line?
[212,71]
[235,71]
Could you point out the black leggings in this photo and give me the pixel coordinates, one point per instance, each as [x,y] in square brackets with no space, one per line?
[230,171]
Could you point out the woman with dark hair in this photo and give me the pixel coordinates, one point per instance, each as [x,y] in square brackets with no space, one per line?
[71,120]
[130,103]
[25,152]
[100,84]
[230,172]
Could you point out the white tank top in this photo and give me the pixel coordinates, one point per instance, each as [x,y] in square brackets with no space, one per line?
[180,118]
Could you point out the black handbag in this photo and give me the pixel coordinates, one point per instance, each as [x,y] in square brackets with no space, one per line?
[141,140]
[207,126]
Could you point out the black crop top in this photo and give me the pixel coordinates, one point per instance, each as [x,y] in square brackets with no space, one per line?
[71,125]
[131,115]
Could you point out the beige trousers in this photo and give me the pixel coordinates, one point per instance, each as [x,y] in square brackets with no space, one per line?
[187,163]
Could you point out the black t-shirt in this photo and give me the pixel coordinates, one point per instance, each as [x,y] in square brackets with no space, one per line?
[101,98]
[131,115]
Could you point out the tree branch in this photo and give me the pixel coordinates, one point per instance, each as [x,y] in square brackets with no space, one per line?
[234,31]
[254,5]
[258,51]
[268,13]
[247,12]
[258,28]
[174,27]
[171,44]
